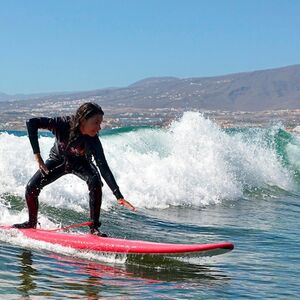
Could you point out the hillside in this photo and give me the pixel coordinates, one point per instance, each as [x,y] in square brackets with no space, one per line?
[251,91]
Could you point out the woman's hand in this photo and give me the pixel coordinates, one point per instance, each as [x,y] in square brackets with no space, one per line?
[125,203]
[41,163]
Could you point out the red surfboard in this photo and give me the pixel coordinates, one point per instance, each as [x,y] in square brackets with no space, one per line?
[91,242]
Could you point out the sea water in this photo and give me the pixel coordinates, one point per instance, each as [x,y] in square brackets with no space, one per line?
[191,182]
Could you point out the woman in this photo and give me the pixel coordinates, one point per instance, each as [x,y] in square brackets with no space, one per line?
[76,143]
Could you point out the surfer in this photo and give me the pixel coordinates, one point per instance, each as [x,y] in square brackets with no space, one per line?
[76,143]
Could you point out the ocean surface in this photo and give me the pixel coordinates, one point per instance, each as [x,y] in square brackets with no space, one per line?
[191,182]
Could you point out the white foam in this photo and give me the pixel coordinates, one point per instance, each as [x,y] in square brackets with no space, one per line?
[193,162]
[9,217]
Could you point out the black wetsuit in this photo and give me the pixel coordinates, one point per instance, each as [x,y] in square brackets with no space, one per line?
[75,158]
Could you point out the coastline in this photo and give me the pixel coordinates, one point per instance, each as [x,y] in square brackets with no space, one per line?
[14,119]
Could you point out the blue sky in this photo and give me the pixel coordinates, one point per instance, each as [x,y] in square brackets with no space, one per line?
[72,45]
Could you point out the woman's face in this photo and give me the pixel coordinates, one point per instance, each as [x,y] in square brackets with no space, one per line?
[91,126]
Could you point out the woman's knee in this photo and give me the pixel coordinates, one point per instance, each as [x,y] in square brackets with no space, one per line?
[32,189]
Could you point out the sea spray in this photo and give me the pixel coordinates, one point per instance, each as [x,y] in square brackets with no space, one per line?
[193,162]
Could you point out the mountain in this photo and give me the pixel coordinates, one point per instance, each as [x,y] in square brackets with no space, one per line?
[250,91]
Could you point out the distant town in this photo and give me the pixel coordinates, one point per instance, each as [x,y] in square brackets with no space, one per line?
[13,115]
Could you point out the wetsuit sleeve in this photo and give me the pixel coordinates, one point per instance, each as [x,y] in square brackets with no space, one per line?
[40,123]
[104,168]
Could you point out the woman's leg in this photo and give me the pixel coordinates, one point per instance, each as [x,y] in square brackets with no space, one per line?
[89,173]
[34,187]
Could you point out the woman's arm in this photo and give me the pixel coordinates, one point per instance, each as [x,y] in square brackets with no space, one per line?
[107,174]
[105,171]
[34,124]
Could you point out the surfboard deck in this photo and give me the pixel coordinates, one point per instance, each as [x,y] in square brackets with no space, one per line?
[89,242]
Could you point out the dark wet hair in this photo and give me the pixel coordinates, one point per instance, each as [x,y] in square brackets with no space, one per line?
[84,112]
